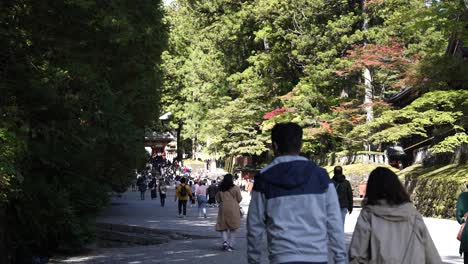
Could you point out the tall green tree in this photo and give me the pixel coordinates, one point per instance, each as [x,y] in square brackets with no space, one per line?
[80,82]
[308,57]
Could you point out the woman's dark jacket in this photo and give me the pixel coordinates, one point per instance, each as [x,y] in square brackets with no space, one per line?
[344,191]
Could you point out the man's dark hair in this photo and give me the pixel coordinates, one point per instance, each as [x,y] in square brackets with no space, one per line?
[288,137]
[182,180]
[383,184]
[338,170]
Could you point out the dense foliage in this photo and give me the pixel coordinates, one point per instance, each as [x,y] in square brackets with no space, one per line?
[439,113]
[79,82]
[233,70]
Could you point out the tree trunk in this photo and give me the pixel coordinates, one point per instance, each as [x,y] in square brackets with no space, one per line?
[194,148]
[367,75]
[369,90]
[266,44]
[179,142]
[344,92]
[368,95]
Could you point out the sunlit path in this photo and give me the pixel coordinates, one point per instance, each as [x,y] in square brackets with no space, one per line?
[203,244]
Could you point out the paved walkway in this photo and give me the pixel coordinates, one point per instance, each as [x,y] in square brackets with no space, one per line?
[130,210]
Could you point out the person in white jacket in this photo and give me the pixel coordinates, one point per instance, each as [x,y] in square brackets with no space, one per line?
[389,228]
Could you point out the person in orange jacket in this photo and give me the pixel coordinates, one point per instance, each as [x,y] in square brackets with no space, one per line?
[183,193]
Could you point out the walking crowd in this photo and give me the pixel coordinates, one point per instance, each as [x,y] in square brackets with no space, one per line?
[301,212]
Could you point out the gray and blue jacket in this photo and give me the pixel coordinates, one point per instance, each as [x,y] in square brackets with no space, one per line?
[295,203]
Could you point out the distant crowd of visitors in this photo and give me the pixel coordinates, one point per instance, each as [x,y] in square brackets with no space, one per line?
[301,212]
[195,191]
[155,187]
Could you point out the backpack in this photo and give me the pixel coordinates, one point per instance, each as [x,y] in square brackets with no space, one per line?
[183,190]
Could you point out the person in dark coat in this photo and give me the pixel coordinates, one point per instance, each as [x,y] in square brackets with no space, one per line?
[344,191]
[462,215]
[141,183]
[212,191]
[153,187]
[162,187]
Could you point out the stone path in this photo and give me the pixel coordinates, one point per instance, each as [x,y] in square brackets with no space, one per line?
[130,210]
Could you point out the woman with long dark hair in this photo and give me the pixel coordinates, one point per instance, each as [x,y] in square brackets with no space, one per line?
[389,228]
[229,217]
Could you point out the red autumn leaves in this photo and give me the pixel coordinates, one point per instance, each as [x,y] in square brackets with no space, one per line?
[378,56]
[276,112]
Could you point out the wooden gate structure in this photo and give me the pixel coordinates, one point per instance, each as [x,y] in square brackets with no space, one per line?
[158,142]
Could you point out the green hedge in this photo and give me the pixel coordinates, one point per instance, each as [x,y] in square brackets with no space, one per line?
[358,169]
[76,97]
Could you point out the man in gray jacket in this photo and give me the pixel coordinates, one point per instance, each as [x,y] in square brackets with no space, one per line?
[295,203]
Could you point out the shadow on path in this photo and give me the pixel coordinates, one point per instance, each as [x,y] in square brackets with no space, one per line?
[206,248]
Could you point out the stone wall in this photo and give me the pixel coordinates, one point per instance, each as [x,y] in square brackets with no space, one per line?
[421,154]
[363,157]
[434,190]
[424,156]
[356,180]
[437,197]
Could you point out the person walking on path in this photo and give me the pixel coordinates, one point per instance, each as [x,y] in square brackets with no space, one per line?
[344,192]
[229,218]
[183,193]
[193,187]
[462,217]
[389,228]
[200,193]
[153,187]
[141,182]
[294,201]
[212,191]
[162,188]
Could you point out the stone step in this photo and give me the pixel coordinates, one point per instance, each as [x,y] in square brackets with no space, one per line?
[139,230]
[116,238]
[131,229]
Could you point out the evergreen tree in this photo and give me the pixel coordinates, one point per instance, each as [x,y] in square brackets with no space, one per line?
[308,57]
[80,82]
